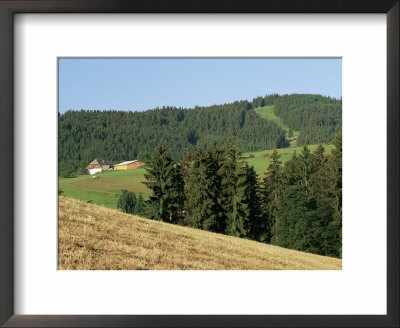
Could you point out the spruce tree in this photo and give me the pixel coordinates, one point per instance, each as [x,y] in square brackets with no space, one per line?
[335,190]
[297,217]
[335,167]
[255,224]
[160,179]
[202,190]
[234,191]
[213,162]
[271,189]
[194,182]
[292,171]
[177,194]
[319,159]
[318,183]
[306,166]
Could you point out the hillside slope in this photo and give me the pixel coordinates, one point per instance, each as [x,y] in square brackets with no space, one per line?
[118,136]
[317,118]
[97,238]
[268,112]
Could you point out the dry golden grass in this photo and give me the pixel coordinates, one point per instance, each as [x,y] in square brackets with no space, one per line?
[93,237]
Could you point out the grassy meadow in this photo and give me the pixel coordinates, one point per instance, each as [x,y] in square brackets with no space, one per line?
[106,190]
[94,237]
[261,159]
[267,112]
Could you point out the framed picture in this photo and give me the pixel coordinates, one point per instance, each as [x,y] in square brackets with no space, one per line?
[49,277]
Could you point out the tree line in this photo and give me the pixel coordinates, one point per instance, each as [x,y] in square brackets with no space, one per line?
[118,135]
[297,205]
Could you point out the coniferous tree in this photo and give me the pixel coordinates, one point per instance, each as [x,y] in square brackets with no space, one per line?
[335,190]
[296,213]
[318,178]
[213,161]
[202,189]
[196,191]
[177,193]
[234,192]
[292,171]
[255,224]
[186,171]
[271,189]
[306,166]
[336,175]
[319,159]
[186,166]
[159,176]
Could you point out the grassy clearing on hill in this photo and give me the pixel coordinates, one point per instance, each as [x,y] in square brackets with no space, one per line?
[93,237]
[267,112]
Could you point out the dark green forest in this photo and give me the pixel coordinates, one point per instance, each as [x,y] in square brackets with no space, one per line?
[119,135]
[297,205]
[317,118]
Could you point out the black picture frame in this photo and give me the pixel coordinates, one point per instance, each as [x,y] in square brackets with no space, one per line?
[10,7]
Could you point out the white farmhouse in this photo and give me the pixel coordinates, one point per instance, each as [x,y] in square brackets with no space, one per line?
[99,165]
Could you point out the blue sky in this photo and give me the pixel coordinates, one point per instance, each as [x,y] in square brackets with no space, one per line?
[140,84]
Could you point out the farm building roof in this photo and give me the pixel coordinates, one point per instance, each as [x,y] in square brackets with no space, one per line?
[102,163]
[126,163]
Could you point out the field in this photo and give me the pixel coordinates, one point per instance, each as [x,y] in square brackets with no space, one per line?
[94,237]
[261,159]
[106,190]
[267,112]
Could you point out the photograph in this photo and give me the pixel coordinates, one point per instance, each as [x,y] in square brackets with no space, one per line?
[199,163]
[193,163]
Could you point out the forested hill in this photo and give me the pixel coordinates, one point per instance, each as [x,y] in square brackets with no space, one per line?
[317,118]
[118,135]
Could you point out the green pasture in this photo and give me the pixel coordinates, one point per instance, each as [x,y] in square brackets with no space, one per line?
[267,112]
[106,189]
[261,159]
